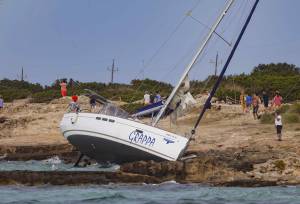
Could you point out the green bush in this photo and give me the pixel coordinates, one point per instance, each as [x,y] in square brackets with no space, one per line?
[265,77]
[295,108]
[12,94]
[267,118]
[269,77]
[291,118]
[45,96]
[284,108]
[279,164]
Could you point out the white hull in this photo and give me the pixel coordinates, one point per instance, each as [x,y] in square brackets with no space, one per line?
[108,138]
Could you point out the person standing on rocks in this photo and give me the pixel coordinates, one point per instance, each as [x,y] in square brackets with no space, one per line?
[147,98]
[255,104]
[278,125]
[63,88]
[248,102]
[242,101]
[157,97]
[277,101]
[265,98]
[93,103]
[1,103]
[74,106]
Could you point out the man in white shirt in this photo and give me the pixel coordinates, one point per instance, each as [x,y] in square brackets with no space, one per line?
[278,124]
[146,98]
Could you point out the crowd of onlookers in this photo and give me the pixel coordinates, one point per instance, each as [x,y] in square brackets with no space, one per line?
[248,103]
[254,102]
[150,98]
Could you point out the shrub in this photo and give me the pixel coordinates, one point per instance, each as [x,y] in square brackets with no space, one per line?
[295,108]
[283,109]
[12,94]
[267,118]
[45,96]
[279,164]
[291,118]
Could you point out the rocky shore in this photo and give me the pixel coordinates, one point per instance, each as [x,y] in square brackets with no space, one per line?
[233,167]
[231,149]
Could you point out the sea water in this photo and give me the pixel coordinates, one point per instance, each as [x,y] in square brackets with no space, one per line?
[148,194]
[168,192]
[52,164]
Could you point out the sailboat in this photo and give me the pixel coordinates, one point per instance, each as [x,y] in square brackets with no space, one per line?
[112,135]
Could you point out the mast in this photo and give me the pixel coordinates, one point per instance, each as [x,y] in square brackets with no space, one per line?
[214,89]
[188,68]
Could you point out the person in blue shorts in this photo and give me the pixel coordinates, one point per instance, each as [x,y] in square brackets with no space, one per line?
[1,103]
[248,102]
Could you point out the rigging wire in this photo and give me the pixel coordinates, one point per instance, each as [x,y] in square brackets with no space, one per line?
[200,59]
[206,26]
[212,44]
[241,20]
[163,45]
[292,89]
[178,63]
[234,15]
[224,68]
[169,37]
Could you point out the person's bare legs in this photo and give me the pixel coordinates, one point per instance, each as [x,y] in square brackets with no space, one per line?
[279,137]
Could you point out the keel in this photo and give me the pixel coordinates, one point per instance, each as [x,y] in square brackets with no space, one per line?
[79,159]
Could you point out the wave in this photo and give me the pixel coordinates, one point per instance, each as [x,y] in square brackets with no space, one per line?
[113,197]
[52,160]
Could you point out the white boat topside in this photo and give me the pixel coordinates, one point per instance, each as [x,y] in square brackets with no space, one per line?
[147,138]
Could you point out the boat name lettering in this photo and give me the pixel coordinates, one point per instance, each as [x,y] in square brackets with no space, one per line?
[139,137]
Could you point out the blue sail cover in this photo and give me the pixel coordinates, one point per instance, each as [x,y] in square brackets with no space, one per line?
[149,109]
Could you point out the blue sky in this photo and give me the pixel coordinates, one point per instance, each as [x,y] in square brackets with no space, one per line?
[79,38]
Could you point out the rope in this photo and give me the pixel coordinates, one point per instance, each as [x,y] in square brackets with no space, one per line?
[206,26]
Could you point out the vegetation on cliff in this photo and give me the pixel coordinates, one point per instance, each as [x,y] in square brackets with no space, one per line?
[268,77]
[290,114]
[265,77]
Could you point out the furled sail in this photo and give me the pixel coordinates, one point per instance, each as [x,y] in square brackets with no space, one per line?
[182,100]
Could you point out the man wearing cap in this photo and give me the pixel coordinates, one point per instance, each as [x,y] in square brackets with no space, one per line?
[74,106]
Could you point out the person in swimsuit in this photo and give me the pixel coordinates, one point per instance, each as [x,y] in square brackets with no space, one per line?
[277,100]
[63,88]
[242,101]
[255,104]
